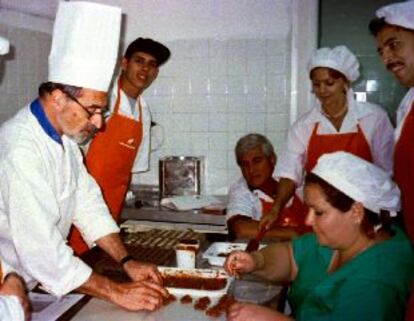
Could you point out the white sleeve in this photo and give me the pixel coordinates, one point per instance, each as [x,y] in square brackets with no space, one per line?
[10,308]
[292,159]
[33,211]
[92,216]
[239,202]
[382,141]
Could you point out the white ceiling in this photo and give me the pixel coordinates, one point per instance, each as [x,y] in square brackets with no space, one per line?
[41,8]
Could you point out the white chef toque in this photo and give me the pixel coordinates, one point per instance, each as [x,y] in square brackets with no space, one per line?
[4,46]
[339,58]
[85,45]
[398,14]
[360,180]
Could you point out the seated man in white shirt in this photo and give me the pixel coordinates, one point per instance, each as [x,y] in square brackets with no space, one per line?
[252,195]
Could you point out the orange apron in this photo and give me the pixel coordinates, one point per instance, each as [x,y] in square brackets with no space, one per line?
[354,143]
[109,160]
[404,171]
[293,216]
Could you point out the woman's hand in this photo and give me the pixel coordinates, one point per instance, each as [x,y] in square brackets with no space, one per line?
[249,312]
[239,262]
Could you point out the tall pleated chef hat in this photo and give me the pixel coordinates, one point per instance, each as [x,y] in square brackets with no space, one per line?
[4,46]
[339,58]
[85,45]
[398,14]
[360,180]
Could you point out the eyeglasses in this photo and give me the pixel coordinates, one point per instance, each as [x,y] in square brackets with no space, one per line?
[97,110]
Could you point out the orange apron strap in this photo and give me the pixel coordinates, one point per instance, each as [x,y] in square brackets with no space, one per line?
[404,171]
[293,216]
[109,160]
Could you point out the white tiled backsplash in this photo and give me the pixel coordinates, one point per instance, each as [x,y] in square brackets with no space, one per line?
[211,93]
[226,77]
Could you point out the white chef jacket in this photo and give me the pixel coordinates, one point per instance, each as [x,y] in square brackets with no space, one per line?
[44,189]
[373,121]
[403,110]
[243,201]
[10,308]
[141,162]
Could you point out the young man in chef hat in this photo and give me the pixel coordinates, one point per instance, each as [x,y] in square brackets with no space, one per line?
[45,185]
[393,29]
[123,146]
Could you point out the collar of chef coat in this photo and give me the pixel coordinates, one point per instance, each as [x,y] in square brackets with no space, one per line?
[356,111]
[37,110]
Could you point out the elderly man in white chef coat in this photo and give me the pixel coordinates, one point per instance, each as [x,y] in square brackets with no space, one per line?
[393,29]
[45,186]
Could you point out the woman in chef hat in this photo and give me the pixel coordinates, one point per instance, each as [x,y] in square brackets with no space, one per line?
[336,122]
[355,266]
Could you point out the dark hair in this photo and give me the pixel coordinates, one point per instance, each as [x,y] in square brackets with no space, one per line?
[343,203]
[48,87]
[376,24]
[332,72]
[252,141]
[160,52]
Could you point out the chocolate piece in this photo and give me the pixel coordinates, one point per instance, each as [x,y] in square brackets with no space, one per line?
[221,307]
[169,299]
[186,299]
[202,303]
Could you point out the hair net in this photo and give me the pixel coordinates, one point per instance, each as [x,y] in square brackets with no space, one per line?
[398,14]
[361,180]
[339,58]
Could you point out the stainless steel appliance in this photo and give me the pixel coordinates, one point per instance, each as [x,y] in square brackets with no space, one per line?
[180,175]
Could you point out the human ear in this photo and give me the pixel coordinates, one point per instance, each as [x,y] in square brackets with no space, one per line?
[124,64]
[357,212]
[273,159]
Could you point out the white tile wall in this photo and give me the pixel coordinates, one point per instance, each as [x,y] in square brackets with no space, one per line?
[211,93]
[23,69]
[224,80]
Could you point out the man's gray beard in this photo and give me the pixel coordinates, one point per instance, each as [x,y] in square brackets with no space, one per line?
[82,139]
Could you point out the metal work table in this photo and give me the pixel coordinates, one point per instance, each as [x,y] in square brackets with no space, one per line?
[160,216]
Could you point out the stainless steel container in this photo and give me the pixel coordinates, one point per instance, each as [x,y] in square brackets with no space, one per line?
[180,175]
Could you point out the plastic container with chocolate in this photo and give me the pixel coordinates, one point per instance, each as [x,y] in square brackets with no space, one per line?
[196,283]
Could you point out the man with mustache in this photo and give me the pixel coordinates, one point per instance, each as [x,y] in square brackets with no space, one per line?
[394,32]
[393,29]
[122,147]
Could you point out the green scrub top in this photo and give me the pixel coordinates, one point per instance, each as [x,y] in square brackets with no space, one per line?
[374,285]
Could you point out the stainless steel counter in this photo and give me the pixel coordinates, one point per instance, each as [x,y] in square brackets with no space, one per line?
[159,216]
[98,310]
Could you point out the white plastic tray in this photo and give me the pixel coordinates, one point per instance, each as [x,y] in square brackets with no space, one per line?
[214,295]
[217,252]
